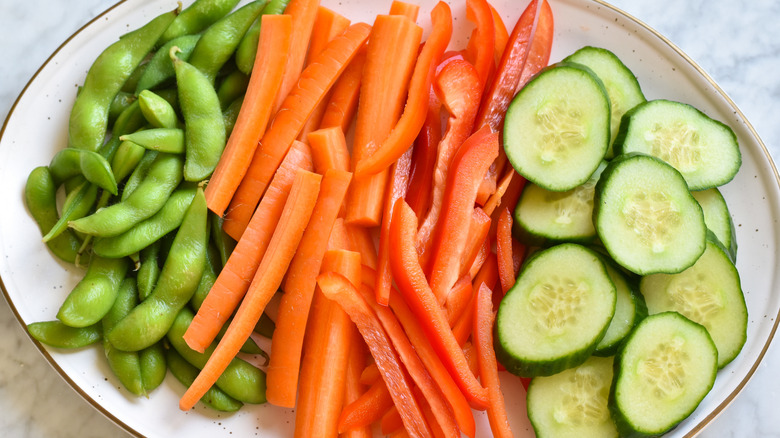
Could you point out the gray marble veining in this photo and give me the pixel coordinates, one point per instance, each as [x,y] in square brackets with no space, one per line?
[737,43]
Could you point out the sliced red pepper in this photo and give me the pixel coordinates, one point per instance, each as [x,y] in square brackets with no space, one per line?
[486,358]
[468,167]
[339,289]
[481,47]
[405,131]
[424,158]
[412,284]
[458,87]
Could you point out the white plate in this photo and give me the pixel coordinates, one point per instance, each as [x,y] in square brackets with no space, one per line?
[35,284]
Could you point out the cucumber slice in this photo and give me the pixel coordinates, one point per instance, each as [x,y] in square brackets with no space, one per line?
[573,403]
[630,308]
[552,318]
[718,219]
[647,219]
[709,293]
[622,87]
[705,151]
[543,215]
[664,370]
[556,129]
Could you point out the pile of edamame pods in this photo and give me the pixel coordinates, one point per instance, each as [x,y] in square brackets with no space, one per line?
[146,131]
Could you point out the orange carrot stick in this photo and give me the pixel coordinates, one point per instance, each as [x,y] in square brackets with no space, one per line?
[303,13]
[390,58]
[328,342]
[296,214]
[405,131]
[273,47]
[235,277]
[314,83]
[409,10]
[343,101]
[329,149]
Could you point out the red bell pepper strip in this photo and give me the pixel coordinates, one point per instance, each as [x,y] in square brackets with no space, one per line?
[399,181]
[405,131]
[424,158]
[486,358]
[412,284]
[506,268]
[459,89]
[340,290]
[481,46]
[468,167]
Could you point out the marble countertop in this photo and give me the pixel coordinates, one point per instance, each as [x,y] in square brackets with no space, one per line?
[737,44]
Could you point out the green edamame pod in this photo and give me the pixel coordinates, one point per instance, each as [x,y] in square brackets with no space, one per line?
[120,103]
[230,115]
[208,278]
[40,198]
[126,366]
[204,136]
[247,48]
[96,169]
[56,334]
[197,16]
[92,298]
[179,278]
[169,140]
[88,122]
[77,205]
[127,157]
[157,111]
[153,366]
[220,40]
[149,231]
[265,326]
[139,173]
[186,373]
[147,199]
[240,380]
[149,271]
[231,88]
[160,68]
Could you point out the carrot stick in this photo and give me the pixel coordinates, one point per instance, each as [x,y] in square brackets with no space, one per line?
[287,341]
[486,358]
[343,101]
[399,181]
[405,131]
[323,373]
[458,299]
[273,48]
[367,409]
[390,58]
[304,14]
[353,389]
[478,233]
[235,277]
[314,83]
[408,10]
[327,25]
[329,149]
[504,254]
[296,214]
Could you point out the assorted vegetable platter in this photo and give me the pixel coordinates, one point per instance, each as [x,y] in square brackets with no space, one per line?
[653,52]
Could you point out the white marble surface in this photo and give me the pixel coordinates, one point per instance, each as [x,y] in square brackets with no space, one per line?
[737,43]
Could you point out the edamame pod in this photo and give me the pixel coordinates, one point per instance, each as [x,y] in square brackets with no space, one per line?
[147,199]
[96,169]
[179,278]
[56,334]
[197,16]
[157,111]
[204,135]
[247,48]
[240,380]
[40,198]
[160,69]
[92,298]
[88,122]
[125,365]
[168,140]
[149,231]
[220,40]
[186,373]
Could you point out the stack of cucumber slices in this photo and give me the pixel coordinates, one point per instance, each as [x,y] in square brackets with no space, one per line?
[630,302]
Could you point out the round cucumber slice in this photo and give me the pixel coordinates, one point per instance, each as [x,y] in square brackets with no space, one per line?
[556,130]
[662,373]
[573,403]
[709,293]
[645,216]
[552,318]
